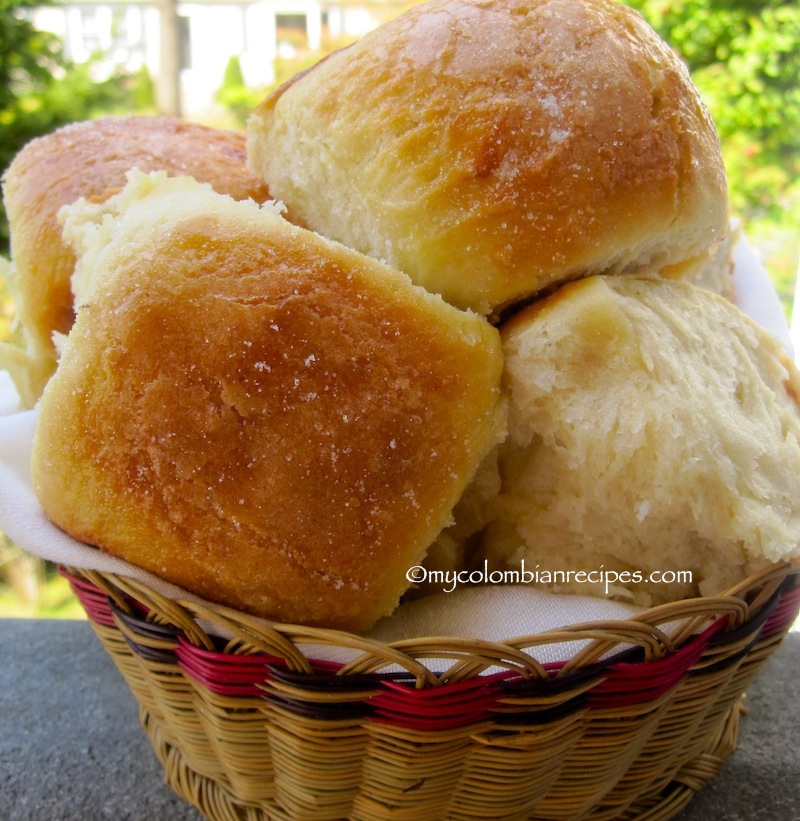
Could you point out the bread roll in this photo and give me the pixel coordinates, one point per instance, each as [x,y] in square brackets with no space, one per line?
[492,148]
[260,415]
[89,159]
[652,427]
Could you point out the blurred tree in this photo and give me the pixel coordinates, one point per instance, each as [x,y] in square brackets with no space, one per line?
[744,56]
[40,90]
[239,99]
[235,96]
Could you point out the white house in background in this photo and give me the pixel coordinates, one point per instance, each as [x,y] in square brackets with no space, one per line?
[211,32]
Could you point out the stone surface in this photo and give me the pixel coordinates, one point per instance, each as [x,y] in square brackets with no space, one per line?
[71,748]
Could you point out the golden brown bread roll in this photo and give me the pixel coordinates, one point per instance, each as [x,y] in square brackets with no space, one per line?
[89,159]
[492,148]
[652,427]
[253,412]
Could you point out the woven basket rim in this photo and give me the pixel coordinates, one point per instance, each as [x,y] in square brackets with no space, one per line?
[655,634]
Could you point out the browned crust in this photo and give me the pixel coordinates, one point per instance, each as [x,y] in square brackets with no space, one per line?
[268,419]
[491,149]
[89,159]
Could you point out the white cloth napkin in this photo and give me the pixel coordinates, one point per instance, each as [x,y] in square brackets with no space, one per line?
[489,612]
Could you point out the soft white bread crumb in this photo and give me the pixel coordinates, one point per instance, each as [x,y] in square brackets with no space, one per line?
[652,427]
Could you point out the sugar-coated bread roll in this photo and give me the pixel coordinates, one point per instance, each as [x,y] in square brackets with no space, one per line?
[492,148]
[258,414]
[89,159]
[652,428]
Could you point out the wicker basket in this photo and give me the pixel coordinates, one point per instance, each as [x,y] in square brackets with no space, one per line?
[253,727]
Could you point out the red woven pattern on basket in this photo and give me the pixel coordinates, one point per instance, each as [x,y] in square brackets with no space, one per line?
[392,698]
[627,683]
[439,708]
[222,673]
[93,600]
[784,613]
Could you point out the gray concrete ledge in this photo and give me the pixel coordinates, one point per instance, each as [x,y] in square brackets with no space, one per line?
[71,748]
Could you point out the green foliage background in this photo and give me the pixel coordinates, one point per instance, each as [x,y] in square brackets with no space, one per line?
[744,57]
[41,90]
